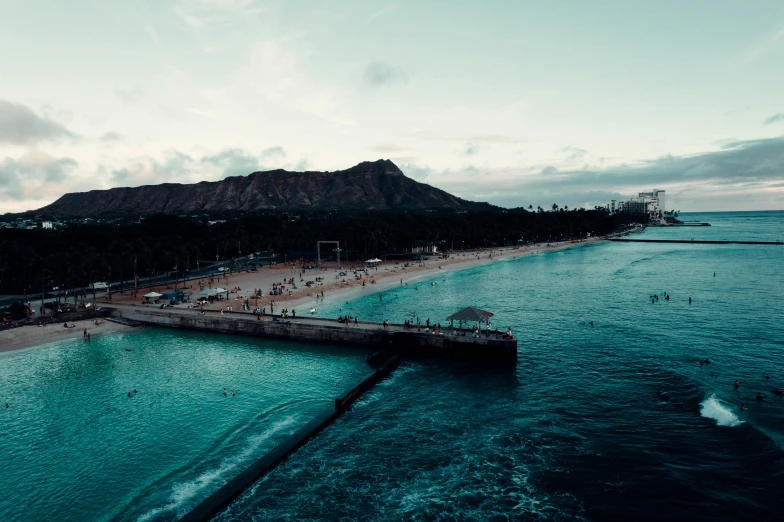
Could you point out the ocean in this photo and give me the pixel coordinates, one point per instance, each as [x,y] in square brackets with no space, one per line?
[576,430]
[611,421]
[75,447]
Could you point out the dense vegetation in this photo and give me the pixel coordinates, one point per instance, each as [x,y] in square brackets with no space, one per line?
[79,254]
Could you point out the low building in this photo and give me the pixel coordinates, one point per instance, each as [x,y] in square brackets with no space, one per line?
[423,247]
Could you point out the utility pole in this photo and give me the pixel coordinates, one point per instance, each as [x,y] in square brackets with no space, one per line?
[135,278]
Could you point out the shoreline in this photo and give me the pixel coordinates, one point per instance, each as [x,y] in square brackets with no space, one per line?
[30,336]
[419,273]
[389,275]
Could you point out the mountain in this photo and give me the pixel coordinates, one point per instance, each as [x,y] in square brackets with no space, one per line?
[369,185]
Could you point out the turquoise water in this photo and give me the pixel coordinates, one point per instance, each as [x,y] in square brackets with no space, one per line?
[576,430]
[75,447]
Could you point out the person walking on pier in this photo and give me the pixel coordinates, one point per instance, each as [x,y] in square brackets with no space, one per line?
[355,322]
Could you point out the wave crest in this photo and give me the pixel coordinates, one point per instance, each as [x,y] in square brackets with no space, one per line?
[712,408]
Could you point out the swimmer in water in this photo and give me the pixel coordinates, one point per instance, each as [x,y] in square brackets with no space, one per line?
[7,405]
[591,323]
[689,300]
[224,391]
[233,393]
[742,406]
[713,374]
[135,390]
[129,395]
[759,396]
[767,377]
[737,383]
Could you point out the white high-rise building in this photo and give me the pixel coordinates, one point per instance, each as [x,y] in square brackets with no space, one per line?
[651,203]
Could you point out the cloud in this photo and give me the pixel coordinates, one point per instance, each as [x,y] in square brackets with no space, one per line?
[751,169]
[111,137]
[573,153]
[133,95]
[234,162]
[737,110]
[381,12]
[378,74]
[153,34]
[774,119]
[274,154]
[197,13]
[32,175]
[19,125]
[764,46]
[471,149]
[416,172]
[176,167]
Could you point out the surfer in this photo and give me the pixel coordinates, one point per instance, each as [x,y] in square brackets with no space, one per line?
[714,374]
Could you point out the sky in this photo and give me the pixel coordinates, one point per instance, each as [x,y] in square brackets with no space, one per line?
[514,103]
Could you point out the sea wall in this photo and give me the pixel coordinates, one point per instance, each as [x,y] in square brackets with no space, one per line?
[218,501]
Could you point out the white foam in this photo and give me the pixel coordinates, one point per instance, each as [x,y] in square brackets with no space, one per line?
[183,492]
[712,408]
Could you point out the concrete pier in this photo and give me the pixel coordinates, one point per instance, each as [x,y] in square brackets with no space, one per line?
[399,340]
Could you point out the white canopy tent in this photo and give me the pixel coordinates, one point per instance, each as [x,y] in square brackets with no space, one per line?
[152,295]
[373,261]
[210,292]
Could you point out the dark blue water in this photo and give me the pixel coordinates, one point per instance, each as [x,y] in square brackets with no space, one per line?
[576,429]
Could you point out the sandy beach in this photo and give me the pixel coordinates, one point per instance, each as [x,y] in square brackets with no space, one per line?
[27,336]
[241,285]
[388,274]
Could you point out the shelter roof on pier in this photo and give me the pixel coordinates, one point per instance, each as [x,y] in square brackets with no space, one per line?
[470,314]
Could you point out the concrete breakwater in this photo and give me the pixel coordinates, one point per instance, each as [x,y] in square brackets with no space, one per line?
[399,340]
[218,501]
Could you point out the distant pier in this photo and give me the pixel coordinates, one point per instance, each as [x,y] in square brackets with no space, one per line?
[692,241]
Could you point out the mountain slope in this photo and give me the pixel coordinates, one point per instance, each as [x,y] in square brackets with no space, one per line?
[369,185]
